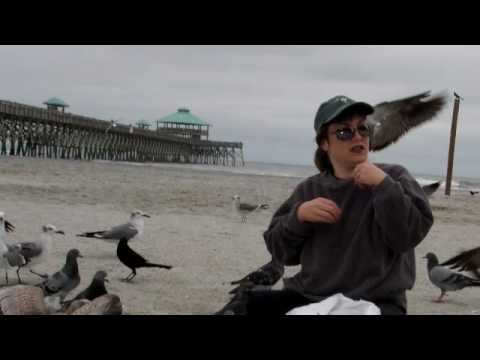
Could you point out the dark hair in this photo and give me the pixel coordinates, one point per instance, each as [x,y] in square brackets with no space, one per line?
[321,159]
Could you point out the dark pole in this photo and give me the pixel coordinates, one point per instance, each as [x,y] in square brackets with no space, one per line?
[451,151]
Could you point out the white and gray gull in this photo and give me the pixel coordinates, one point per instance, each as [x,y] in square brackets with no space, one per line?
[131,229]
[244,209]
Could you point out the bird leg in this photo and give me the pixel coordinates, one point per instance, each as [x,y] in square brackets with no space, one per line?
[129,277]
[6,276]
[18,276]
[43,276]
[440,298]
[133,274]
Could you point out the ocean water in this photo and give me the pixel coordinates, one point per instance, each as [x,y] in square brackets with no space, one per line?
[304,171]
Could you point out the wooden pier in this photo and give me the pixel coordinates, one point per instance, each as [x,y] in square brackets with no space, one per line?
[31,131]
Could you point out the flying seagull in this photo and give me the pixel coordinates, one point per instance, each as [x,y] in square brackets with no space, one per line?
[391,120]
[129,230]
[244,209]
[446,279]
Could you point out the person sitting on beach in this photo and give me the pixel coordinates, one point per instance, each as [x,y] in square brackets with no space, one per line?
[353,227]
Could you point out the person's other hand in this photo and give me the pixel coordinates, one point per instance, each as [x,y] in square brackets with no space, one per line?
[319,210]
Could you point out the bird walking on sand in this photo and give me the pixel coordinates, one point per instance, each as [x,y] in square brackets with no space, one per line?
[468,260]
[30,254]
[261,279]
[129,230]
[244,209]
[133,260]
[446,279]
[66,279]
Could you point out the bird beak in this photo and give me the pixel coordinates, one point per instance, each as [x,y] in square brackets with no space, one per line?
[424,257]
[146,215]
[80,255]
[106,280]
[59,232]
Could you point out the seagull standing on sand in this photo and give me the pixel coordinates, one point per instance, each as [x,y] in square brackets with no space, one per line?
[29,254]
[446,279]
[244,209]
[129,230]
[64,280]
[132,260]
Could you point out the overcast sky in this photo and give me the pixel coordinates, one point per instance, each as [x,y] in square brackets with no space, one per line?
[263,96]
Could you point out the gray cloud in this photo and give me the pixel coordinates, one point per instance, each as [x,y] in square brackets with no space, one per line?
[264,96]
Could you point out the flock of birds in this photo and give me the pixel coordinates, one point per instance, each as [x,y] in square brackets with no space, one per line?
[390,121]
[20,255]
[442,275]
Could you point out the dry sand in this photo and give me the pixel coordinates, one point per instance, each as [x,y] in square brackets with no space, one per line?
[193,228]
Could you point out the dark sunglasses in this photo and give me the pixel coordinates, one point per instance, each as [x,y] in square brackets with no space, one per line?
[347,133]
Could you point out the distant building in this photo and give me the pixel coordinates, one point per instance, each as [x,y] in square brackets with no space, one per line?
[184,124]
[56,104]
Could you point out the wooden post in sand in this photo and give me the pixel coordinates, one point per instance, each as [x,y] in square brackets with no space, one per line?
[451,151]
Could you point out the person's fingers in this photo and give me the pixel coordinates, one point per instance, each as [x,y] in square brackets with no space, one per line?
[329,206]
[325,216]
[334,210]
[328,202]
[333,207]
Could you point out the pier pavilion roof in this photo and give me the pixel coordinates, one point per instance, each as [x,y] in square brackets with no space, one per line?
[183,116]
[56,102]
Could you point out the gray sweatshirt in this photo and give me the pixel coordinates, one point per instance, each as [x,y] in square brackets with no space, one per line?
[369,253]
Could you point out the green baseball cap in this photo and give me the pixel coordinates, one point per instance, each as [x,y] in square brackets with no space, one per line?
[331,109]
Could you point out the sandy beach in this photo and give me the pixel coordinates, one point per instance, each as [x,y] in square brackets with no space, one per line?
[192,227]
